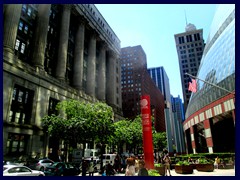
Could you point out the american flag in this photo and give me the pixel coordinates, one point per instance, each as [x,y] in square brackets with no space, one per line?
[192,85]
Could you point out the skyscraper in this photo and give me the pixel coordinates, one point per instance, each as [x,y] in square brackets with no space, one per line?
[190,46]
[136,82]
[159,76]
[178,116]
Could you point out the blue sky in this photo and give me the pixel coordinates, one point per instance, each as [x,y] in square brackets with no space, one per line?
[153,27]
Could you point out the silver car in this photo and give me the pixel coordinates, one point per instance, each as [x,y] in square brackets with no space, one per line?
[17,170]
[40,164]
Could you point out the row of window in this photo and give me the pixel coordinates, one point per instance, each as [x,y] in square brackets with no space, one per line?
[191,50]
[128,64]
[189,38]
[191,65]
[191,70]
[185,61]
[192,45]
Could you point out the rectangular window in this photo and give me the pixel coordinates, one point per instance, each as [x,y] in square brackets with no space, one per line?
[26,29]
[17,44]
[17,144]
[52,106]
[21,108]
[22,48]
[20,27]
[29,11]
[24,8]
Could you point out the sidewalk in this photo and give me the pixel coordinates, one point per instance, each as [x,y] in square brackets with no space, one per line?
[216,172]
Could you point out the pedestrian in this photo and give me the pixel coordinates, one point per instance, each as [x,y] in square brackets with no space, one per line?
[109,170]
[142,170]
[91,167]
[136,164]
[217,162]
[167,162]
[84,167]
[130,170]
[117,163]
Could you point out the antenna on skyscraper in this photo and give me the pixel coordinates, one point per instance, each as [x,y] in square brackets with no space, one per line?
[185,16]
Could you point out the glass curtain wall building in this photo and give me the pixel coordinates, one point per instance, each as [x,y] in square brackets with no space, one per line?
[210,115]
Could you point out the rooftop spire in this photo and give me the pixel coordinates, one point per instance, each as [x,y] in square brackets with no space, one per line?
[185,16]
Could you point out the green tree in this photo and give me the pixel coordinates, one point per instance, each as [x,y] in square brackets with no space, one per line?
[80,122]
[159,140]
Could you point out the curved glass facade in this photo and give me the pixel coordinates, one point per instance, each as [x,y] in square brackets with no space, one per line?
[218,61]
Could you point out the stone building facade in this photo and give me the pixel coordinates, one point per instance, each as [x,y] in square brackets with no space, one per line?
[53,53]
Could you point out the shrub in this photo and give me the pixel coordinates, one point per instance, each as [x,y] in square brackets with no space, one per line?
[153,172]
[158,165]
[205,161]
[185,163]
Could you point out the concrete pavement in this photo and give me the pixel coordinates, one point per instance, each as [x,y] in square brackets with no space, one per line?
[216,172]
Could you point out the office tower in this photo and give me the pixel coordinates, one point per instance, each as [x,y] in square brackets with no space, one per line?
[136,82]
[159,76]
[178,116]
[190,46]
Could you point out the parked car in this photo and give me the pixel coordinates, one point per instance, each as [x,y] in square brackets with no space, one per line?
[62,169]
[40,164]
[18,170]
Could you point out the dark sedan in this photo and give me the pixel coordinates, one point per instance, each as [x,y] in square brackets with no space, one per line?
[62,169]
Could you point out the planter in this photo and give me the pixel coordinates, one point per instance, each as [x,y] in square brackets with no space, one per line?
[161,170]
[184,169]
[205,167]
[193,165]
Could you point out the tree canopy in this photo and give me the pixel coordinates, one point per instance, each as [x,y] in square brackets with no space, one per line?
[80,121]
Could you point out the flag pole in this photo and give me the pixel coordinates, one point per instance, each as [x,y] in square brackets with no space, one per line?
[210,84]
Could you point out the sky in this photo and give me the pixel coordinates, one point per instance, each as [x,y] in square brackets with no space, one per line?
[153,27]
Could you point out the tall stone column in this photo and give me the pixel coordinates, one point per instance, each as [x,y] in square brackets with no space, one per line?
[63,43]
[111,78]
[41,32]
[91,65]
[101,78]
[78,57]
[12,14]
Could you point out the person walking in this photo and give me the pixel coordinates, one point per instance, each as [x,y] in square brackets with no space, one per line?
[167,162]
[142,170]
[130,170]
[84,167]
[91,167]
